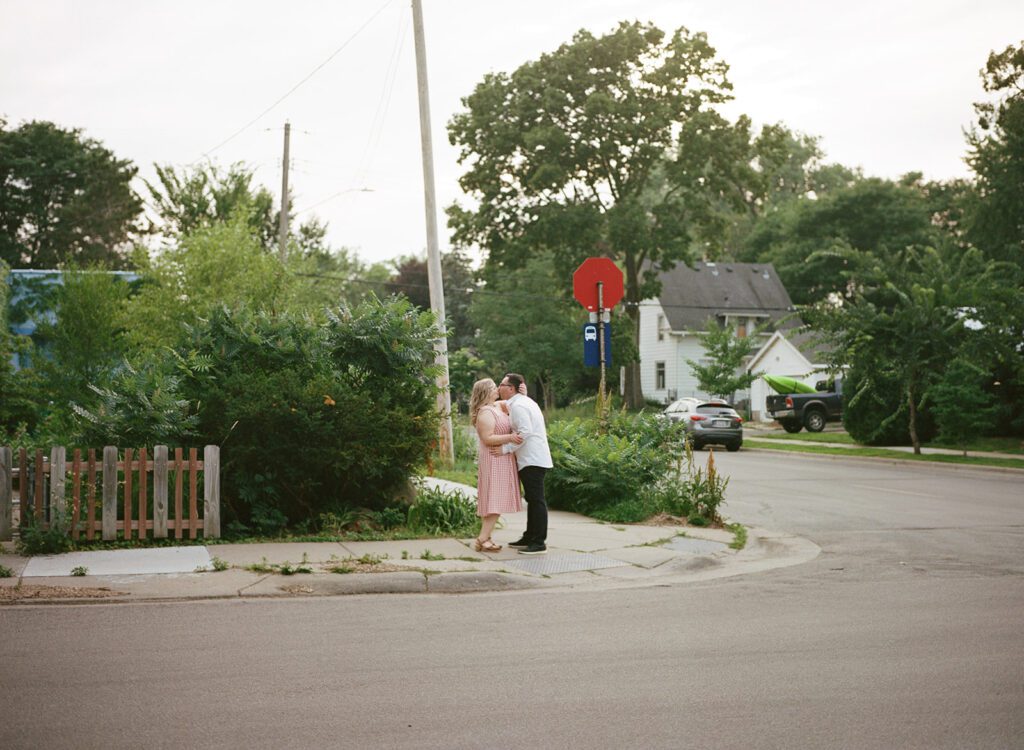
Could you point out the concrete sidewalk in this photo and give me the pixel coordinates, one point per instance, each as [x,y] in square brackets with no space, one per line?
[582,553]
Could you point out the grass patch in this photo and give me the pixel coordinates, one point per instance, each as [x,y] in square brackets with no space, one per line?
[816,437]
[739,535]
[1010,445]
[828,450]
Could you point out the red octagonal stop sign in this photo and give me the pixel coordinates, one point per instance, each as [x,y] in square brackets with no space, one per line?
[586,278]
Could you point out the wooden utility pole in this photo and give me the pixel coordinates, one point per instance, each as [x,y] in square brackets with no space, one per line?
[282,241]
[444,402]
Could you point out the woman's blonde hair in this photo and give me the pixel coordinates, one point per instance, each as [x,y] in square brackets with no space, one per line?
[481,392]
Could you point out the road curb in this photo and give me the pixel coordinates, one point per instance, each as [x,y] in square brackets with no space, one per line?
[886,459]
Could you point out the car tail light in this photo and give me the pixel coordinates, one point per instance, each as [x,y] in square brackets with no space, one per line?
[697,418]
[789,402]
[739,420]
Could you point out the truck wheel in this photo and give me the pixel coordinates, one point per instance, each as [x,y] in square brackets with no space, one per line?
[814,420]
[790,425]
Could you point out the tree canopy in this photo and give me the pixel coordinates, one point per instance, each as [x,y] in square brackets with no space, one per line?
[996,154]
[563,155]
[63,198]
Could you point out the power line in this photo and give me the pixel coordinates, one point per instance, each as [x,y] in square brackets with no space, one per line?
[297,85]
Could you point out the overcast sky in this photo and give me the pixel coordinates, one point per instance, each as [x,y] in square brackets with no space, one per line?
[887,86]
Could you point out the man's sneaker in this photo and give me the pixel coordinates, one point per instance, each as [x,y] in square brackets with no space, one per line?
[534,549]
[519,543]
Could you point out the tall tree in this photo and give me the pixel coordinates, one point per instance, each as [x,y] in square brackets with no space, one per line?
[739,175]
[187,200]
[526,326]
[562,155]
[906,319]
[411,279]
[63,198]
[817,244]
[723,375]
[996,218]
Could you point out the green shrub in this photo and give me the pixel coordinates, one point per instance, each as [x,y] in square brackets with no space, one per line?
[640,467]
[632,465]
[313,418]
[875,410]
[35,540]
[141,407]
[439,512]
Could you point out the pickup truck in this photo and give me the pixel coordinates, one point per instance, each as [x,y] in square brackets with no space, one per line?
[794,411]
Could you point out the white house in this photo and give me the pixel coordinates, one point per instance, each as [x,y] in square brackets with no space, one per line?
[791,353]
[750,296]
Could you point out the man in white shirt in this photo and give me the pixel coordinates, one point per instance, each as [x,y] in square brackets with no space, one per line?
[533,457]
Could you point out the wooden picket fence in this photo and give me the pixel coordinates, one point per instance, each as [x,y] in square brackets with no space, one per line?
[124,479]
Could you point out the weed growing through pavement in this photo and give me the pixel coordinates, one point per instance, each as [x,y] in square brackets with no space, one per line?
[219,564]
[261,567]
[80,570]
[369,559]
[341,569]
[739,532]
[428,555]
[405,554]
[6,572]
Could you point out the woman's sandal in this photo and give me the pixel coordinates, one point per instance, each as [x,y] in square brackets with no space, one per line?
[486,545]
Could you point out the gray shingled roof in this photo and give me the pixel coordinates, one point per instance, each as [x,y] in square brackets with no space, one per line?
[690,296]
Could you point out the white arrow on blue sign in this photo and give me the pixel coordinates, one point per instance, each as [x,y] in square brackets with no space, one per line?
[591,346]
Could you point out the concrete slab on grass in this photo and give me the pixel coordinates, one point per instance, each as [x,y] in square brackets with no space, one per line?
[120,562]
[277,552]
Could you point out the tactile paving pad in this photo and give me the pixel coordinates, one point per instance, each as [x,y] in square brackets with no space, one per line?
[563,562]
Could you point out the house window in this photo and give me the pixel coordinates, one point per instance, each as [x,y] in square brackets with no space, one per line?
[659,376]
[661,328]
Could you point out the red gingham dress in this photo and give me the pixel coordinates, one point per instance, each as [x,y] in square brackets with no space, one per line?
[497,483]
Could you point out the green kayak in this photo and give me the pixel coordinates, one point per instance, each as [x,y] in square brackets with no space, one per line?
[783,384]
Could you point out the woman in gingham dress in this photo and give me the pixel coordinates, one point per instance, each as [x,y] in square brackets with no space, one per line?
[497,483]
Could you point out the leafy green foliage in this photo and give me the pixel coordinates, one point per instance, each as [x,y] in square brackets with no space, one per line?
[995,219]
[563,154]
[817,245]
[724,374]
[313,418]
[640,467]
[441,512]
[140,407]
[905,321]
[528,325]
[187,201]
[962,407]
[33,539]
[63,198]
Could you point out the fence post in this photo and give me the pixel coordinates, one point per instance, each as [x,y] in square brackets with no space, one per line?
[58,502]
[6,493]
[109,492]
[160,492]
[211,492]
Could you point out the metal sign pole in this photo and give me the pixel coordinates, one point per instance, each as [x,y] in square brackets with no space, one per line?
[600,334]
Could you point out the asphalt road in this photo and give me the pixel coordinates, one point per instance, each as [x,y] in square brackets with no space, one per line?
[906,632]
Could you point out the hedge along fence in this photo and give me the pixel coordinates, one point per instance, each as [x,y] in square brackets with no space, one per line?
[135,511]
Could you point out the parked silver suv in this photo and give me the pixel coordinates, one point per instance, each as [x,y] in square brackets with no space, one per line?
[711,422]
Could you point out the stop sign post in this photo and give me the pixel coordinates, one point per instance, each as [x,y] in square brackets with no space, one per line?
[597,285]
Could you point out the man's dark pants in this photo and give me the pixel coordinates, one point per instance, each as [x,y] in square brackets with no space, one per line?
[532,478]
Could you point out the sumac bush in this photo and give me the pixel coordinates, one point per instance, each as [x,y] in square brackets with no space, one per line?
[313,417]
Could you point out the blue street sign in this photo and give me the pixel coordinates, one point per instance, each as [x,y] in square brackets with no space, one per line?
[591,346]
